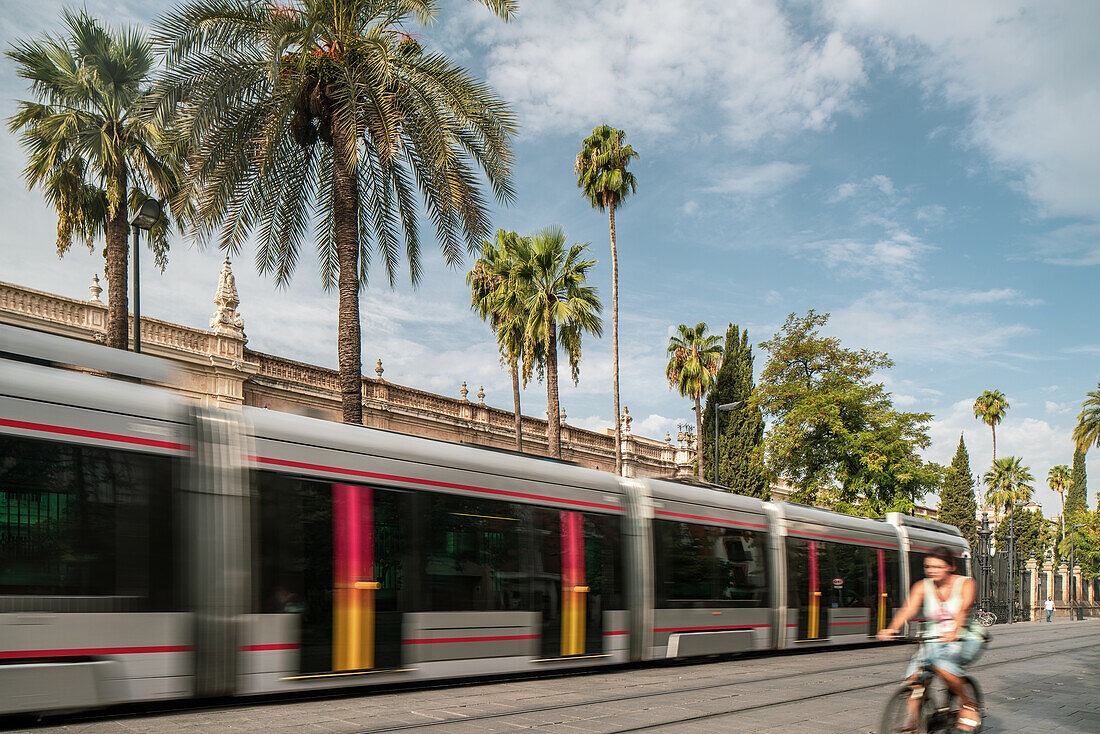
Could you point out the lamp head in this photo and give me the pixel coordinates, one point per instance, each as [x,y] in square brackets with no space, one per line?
[731,406]
[147,214]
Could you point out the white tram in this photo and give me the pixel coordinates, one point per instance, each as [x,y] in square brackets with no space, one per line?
[153,549]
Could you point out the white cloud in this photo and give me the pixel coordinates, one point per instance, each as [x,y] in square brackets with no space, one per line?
[762,180]
[932,214]
[879,185]
[896,256]
[1026,72]
[978,298]
[655,426]
[652,67]
[690,208]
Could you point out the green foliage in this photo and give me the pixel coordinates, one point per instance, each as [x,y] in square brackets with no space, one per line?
[87,146]
[1033,535]
[835,434]
[741,440]
[958,505]
[601,168]
[1087,432]
[693,359]
[1077,490]
[1007,483]
[990,407]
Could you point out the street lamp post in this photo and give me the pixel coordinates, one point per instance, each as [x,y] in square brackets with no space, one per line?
[984,534]
[1073,581]
[1012,571]
[147,215]
[717,408]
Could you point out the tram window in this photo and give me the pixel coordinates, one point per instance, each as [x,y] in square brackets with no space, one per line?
[474,555]
[707,566]
[85,521]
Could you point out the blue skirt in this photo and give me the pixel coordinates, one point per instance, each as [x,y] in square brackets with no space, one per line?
[950,657]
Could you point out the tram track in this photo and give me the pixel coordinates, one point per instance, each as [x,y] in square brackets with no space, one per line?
[713,687]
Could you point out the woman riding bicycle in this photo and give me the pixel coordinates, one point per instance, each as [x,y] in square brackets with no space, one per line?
[946,599]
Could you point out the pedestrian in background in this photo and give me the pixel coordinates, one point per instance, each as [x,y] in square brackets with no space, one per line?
[1049,606]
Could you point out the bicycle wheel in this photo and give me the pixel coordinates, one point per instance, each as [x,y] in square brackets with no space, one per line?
[974,693]
[987,619]
[895,716]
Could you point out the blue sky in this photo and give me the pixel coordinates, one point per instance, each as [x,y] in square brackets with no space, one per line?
[928,173]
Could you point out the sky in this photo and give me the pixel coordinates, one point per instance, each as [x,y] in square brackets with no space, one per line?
[928,173]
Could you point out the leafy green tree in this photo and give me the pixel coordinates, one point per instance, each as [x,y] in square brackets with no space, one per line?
[323,115]
[958,506]
[560,308]
[990,408]
[693,359]
[1087,432]
[1077,488]
[1008,482]
[602,177]
[741,438]
[1031,529]
[1058,479]
[834,433]
[498,299]
[93,156]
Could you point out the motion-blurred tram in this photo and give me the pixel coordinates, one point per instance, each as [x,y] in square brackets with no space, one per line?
[151,548]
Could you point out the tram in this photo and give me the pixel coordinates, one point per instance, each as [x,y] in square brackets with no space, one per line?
[152,548]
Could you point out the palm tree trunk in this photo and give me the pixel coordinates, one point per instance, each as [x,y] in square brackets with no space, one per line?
[615,341]
[118,236]
[698,438]
[553,411]
[515,402]
[994,429]
[345,206]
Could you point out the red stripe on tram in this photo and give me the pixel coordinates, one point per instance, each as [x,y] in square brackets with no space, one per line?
[711,519]
[426,482]
[273,646]
[612,633]
[712,628]
[100,435]
[842,537]
[85,651]
[442,640]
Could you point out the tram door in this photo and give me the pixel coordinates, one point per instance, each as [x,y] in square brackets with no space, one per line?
[567,559]
[805,587]
[366,623]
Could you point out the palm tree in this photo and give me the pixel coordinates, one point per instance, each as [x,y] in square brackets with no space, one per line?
[1007,483]
[497,299]
[329,113]
[559,307]
[694,357]
[93,156]
[1058,478]
[602,176]
[1087,432]
[990,407]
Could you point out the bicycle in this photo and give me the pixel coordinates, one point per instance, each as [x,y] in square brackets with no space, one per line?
[938,710]
[986,619]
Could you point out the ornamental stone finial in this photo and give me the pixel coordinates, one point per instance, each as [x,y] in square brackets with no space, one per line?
[226,320]
[668,438]
[464,391]
[563,414]
[625,420]
[378,368]
[481,395]
[95,288]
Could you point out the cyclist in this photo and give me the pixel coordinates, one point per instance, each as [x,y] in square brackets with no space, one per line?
[946,599]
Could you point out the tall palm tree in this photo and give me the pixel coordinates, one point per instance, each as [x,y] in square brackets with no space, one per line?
[331,112]
[602,176]
[560,308]
[1058,478]
[498,299]
[93,156]
[694,357]
[1007,483]
[1087,432]
[990,408]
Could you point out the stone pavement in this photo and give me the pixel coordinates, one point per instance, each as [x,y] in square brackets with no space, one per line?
[1037,677]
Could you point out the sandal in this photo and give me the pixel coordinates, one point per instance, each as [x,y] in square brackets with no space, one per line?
[969,719]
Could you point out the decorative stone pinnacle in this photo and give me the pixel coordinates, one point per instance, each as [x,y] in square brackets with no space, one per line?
[625,420]
[481,395]
[668,438]
[463,390]
[563,413]
[226,320]
[378,368]
[95,288]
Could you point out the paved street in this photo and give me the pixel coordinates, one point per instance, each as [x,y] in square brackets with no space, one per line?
[1037,677]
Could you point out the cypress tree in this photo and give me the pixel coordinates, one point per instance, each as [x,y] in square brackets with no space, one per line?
[958,505]
[1075,495]
[741,441]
